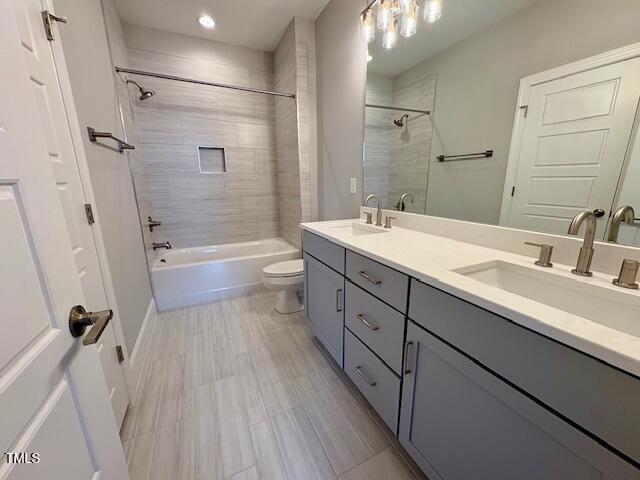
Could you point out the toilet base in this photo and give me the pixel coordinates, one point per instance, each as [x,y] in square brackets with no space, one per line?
[288,301]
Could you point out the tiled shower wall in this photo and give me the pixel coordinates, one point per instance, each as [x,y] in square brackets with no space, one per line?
[197,208]
[377,138]
[292,135]
[411,144]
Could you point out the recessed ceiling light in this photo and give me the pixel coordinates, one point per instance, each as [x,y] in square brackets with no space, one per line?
[206,21]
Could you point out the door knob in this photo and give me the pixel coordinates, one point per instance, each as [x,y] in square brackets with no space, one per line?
[599,212]
[80,319]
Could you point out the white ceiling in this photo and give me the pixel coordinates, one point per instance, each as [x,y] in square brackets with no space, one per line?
[460,19]
[249,23]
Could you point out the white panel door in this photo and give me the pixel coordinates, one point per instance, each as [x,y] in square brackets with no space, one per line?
[573,147]
[53,396]
[42,66]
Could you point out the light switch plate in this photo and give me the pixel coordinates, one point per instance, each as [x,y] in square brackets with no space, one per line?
[353,187]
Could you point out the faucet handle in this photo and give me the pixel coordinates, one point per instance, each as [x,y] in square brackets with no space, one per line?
[546,251]
[387,221]
[628,273]
[369,216]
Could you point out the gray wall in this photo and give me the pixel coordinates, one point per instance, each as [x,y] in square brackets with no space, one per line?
[478,86]
[195,208]
[341,79]
[94,91]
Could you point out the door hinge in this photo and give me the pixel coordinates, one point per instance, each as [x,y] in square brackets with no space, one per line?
[513,191]
[119,353]
[89,211]
[526,110]
[48,18]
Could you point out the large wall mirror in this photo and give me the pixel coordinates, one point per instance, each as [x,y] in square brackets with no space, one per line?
[519,113]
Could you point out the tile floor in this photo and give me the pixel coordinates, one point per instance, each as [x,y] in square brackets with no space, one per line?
[235,390]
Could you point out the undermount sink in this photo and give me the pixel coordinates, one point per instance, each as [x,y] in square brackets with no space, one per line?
[614,309]
[357,229]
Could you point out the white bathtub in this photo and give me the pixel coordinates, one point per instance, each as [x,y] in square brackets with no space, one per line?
[190,276]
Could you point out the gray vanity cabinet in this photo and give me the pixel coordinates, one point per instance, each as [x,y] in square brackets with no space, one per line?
[324,305]
[458,421]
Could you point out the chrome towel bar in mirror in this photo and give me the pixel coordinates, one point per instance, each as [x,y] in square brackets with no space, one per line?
[122,145]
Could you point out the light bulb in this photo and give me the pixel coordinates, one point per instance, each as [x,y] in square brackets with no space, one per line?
[405,4]
[432,10]
[384,14]
[410,20]
[368,28]
[390,37]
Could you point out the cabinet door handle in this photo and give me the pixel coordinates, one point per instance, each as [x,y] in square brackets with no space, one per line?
[366,322]
[339,300]
[364,377]
[407,345]
[370,278]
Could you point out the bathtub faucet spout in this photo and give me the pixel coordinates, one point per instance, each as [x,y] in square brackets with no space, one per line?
[157,245]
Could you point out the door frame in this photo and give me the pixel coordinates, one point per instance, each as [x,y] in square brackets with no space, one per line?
[131,370]
[526,84]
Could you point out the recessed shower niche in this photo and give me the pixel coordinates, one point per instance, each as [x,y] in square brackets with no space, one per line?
[212,160]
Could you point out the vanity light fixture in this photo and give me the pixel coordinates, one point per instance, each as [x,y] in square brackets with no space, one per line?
[368,26]
[433,10]
[409,23]
[389,12]
[206,21]
[390,37]
[384,14]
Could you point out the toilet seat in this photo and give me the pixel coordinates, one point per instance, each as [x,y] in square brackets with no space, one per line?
[290,268]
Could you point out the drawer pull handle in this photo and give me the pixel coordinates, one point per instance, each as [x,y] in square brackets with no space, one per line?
[366,322]
[407,370]
[339,300]
[364,377]
[370,278]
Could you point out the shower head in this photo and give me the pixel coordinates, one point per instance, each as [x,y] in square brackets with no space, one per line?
[144,93]
[399,122]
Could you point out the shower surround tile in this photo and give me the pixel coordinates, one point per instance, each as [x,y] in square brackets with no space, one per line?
[206,208]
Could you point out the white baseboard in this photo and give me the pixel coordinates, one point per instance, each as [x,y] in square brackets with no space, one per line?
[140,353]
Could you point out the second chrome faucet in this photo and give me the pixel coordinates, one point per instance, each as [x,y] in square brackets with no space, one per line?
[583,266]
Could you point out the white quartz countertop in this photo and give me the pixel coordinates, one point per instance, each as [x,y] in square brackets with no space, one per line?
[432,259]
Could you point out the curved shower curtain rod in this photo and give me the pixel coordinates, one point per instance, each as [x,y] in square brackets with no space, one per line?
[202,82]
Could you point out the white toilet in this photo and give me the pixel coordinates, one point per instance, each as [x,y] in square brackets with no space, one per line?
[286,278]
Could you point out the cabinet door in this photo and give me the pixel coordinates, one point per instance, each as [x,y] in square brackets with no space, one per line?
[459,421]
[324,302]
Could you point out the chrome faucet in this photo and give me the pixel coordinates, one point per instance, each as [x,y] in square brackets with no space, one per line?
[623,214]
[157,245]
[586,251]
[369,197]
[400,204]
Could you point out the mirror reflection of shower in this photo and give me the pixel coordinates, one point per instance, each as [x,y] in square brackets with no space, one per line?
[144,93]
[399,122]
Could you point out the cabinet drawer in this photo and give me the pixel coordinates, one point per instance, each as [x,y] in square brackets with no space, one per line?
[599,398]
[327,252]
[376,324]
[384,282]
[372,377]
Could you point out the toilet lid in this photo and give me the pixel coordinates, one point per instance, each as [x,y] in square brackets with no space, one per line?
[284,269]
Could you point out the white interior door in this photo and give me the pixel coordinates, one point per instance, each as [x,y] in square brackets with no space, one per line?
[573,147]
[53,396]
[43,71]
